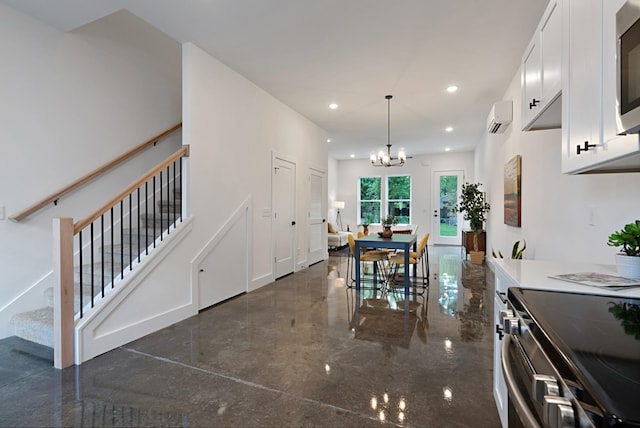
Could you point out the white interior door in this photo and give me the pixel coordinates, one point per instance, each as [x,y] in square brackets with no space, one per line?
[284,216]
[317,222]
[447,225]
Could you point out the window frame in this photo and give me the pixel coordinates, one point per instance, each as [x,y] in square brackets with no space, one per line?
[388,200]
[379,201]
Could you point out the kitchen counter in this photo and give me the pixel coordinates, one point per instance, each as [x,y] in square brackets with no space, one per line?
[535,274]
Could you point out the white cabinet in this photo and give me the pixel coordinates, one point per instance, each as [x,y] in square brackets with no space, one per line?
[589,90]
[541,73]
[500,394]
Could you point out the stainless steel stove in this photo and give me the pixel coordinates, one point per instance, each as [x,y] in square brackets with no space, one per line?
[571,360]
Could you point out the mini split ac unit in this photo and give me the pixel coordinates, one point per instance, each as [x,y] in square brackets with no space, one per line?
[500,117]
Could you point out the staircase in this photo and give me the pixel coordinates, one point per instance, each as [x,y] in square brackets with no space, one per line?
[37,325]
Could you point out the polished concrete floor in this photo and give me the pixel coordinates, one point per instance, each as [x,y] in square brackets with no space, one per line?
[305,351]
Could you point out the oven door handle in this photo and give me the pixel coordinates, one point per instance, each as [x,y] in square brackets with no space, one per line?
[515,395]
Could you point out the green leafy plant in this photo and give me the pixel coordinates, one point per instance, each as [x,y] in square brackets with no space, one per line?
[474,208]
[629,317]
[517,253]
[389,221]
[628,239]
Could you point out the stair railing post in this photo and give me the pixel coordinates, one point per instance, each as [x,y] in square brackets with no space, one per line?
[63,295]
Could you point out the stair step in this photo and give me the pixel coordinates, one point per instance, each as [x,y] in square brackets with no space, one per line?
[30,348]
[161,219]
[34,326]
[170,205]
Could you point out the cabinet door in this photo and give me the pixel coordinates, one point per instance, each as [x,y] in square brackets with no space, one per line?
[551,53]
[541,73]
[582,94]
[531,87]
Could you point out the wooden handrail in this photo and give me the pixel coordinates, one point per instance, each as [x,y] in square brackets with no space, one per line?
[90,176]
[184,151]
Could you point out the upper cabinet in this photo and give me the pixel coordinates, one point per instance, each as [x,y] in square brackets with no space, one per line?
[590,143]
[541,73]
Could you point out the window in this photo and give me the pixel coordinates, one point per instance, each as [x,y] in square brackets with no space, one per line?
[399,198]
[370,199]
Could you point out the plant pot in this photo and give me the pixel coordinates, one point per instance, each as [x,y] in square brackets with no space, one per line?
[387,232]
[477,257]
[628,266]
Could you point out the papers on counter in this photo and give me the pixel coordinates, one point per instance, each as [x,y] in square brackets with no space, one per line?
[594,279]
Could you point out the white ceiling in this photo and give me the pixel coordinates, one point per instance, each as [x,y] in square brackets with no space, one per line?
[309,53]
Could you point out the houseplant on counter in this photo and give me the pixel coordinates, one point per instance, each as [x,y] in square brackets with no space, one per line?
[474,208]
[628,260]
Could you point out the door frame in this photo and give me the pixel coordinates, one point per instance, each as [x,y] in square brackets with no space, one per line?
[324,253]
[435,203]
[274,160]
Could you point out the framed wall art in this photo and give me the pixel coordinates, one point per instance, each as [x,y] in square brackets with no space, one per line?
[513,192]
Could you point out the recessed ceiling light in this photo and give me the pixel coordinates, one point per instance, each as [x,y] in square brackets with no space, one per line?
[333,106]
[447,149]
[328,140]
[451,89]
[448,129]
[352,155]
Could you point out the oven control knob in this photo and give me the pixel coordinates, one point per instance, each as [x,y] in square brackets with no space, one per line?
[511,325]
[544,385]
[505,313]
[557,412]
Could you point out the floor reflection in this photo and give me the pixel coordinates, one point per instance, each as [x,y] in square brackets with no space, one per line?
[303,351]
[388,317]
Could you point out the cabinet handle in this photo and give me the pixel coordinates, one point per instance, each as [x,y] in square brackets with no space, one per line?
[533,104]
[586,147]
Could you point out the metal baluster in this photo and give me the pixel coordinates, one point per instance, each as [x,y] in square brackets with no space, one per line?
[181,189]
[154,211]
[121,238]
[168,202]
[161,222]
[102,254]
[138,243]
[92,263]
[112,247]
[146,217]
[81,270]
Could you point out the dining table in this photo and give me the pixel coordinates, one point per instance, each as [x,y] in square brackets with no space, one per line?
[397,241]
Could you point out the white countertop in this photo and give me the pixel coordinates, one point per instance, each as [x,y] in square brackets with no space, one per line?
[535,274]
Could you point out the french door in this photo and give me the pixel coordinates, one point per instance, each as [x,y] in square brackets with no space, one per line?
[447,225]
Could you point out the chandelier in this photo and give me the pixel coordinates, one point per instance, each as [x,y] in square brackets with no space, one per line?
[385,159]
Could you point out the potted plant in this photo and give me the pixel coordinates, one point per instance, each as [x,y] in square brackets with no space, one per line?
[628,259]
[387,222]
[474,209]
[366,222]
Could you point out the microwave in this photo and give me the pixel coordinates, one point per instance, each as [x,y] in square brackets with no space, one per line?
[628,68]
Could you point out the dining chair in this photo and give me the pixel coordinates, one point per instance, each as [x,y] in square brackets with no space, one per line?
[416,258]
[377,257]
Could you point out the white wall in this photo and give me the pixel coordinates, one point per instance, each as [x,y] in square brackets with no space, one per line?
[71,102]
[555,207]
[234,128]
[420,168]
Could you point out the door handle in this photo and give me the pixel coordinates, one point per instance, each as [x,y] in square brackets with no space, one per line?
[324,220]
[293,223]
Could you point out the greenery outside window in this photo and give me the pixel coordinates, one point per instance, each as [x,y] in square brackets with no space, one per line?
[370,199]
[399,198]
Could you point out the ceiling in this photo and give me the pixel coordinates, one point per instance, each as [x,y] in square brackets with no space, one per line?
[310,53]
